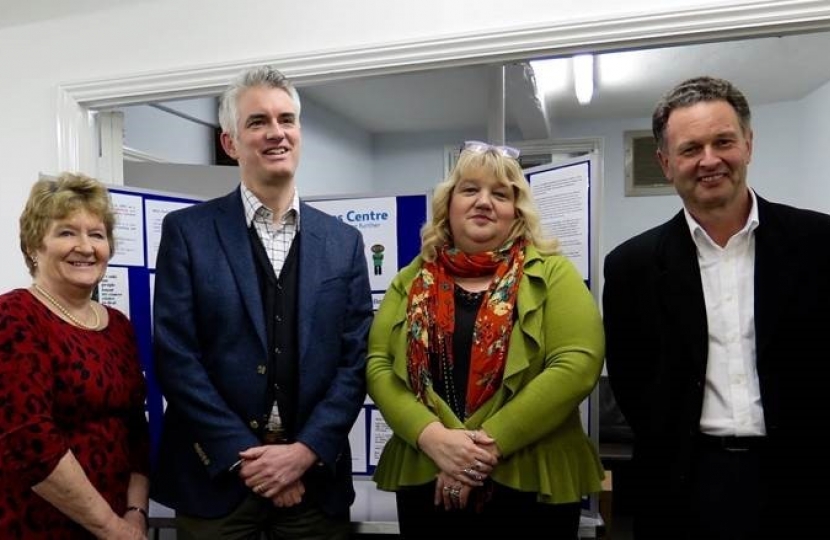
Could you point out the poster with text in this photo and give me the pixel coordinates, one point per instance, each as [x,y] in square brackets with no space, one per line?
[377,219]
[561,194]
[128,231]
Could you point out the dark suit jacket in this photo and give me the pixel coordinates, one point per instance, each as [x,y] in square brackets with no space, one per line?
[210,352]
[657,342]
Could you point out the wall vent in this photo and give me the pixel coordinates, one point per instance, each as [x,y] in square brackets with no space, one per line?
[643,175]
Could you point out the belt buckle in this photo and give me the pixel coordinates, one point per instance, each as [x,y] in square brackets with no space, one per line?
[273,437]
[729,448]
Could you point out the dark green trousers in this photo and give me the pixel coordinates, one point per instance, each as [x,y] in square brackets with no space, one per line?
[257,518]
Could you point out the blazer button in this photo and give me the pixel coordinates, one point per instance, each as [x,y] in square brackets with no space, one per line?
[261,369]
[254,424]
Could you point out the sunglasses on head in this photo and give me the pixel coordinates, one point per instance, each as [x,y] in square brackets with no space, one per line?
[480,147]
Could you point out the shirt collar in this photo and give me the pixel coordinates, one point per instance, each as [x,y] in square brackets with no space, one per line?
[751,224]
[252,206]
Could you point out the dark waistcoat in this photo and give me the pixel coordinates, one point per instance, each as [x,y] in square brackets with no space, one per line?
[279,302]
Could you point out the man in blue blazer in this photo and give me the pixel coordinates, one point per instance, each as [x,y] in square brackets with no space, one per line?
[716,327]
[261,313]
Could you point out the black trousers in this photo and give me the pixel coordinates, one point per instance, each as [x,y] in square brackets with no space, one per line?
[729,498]
[508,514]
[751,490]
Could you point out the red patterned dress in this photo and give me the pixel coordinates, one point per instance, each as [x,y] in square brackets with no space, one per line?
[65,388]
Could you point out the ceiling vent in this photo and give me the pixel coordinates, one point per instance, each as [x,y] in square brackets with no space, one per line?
[643,175]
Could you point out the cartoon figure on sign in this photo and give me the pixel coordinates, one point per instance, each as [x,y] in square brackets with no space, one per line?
[377,258]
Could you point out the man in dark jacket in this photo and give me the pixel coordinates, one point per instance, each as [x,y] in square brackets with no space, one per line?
[716,325]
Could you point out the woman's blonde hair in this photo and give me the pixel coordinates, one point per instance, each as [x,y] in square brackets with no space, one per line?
[54,199]
[436,232]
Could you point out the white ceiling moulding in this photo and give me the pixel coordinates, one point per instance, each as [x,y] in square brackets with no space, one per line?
[76,148]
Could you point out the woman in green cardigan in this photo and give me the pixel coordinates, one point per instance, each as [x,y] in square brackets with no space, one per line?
[479,356]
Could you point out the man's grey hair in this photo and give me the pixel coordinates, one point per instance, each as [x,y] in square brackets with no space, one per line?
[693,91]
[266,76]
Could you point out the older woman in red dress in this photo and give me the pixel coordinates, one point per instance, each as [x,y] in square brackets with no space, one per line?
[73,434]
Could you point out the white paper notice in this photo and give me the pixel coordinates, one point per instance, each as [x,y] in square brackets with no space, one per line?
[129,230]
[114,290]
[154,213]
[357,440]
[562,197]
[379,433]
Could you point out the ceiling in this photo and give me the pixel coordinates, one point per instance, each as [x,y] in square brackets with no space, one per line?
[15,12]
[628,85]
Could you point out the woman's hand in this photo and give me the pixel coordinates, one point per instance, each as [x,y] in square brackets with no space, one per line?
[118,528]
[137,520]
[451,494]
[462,455]
[68,489]
[486,442]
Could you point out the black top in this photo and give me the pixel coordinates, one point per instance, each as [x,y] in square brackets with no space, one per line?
[450,381]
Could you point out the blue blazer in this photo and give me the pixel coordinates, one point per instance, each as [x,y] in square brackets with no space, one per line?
[210,349]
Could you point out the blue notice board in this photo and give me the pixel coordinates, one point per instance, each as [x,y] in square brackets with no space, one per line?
[391,222]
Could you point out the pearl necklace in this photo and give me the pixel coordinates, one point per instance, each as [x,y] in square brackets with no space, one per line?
[73,319]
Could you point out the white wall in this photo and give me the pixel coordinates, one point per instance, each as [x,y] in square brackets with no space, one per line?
[158,37]
[413,163]
[166,136]
[813,134]
[190,181]
[336,155]
[777,170]
[203,110]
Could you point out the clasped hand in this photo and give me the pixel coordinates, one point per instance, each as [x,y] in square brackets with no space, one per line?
[275,471]
[466,458]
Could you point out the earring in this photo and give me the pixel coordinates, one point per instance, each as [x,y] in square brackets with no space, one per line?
[34,260]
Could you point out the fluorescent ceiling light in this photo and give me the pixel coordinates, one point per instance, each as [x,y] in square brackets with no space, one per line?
[551,76]
[583,68]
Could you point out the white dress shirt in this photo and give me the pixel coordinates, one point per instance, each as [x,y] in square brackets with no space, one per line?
[732,397]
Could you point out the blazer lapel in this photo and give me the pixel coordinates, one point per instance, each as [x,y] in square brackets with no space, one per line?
[312,259]
[682,291]
[236,244]
[774,276]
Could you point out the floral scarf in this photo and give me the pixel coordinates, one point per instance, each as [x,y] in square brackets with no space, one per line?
[431,317]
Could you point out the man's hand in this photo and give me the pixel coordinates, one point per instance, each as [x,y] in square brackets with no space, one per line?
[270,469]
[290,496]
